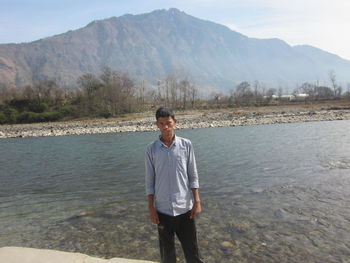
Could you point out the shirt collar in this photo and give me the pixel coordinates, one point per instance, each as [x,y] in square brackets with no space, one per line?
[173,144]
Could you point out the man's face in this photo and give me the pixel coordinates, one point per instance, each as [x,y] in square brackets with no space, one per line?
[166,125]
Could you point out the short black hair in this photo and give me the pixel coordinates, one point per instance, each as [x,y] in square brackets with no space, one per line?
[164,112]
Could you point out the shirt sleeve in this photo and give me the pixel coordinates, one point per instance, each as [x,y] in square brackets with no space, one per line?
[150,173]
[192,168]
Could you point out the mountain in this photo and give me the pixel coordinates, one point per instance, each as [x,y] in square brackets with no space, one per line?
[151,46]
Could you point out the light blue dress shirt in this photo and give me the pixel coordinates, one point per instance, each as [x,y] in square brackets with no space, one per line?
[171,173]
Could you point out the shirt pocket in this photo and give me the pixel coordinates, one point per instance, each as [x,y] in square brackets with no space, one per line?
[181,160]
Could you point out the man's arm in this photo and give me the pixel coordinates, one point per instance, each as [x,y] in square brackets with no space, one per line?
[152,210]
[196,209]
[150,181]
[194,184]
[192,168]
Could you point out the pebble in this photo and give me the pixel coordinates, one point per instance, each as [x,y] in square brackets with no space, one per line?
[228,244]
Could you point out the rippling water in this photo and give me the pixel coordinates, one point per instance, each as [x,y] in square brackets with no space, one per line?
[272,193]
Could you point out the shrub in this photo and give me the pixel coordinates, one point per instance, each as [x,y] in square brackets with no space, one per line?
[19,104]
[30,117]
[11,115]
[70,111]
[2,118]
[104,113]
[52,116]
[28,105]
[38,107]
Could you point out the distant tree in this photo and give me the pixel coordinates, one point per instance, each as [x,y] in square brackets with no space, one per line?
[258,91]
[118,92]
[90,85]
[184,88]
[28,92]
[314,91]
[280,92]
[159,88]
[175,92]
[216,98]
[323,93]
[336,88]
[332,77]
[7,93]
[173,85]
[193,92]
[44,90]
[256,88]
[308,88]
[270,92]
[142,94]
[171,91]
[269,95]
[243,94]
[347,94]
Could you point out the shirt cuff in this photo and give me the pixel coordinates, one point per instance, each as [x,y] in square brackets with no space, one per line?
[194,185]
[150,191]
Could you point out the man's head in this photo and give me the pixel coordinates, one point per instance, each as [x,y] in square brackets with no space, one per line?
[165,121]
[165,112]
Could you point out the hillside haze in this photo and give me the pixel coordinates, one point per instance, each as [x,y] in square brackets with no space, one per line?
[154,45]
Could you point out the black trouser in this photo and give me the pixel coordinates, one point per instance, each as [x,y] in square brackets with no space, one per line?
[185,230]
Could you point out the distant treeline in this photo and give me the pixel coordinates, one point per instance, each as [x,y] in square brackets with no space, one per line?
[108,94]
[112,94]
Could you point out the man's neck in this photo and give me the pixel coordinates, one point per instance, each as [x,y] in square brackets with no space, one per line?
[168,140]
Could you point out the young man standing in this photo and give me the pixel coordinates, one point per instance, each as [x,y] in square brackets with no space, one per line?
[172,190]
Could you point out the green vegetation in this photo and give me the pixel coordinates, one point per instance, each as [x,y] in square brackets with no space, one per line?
[113,94]
[108,95]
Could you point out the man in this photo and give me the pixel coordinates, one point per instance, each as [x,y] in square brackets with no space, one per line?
[172,190]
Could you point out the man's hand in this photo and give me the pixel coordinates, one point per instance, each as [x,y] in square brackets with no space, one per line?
[196,209]
[153,215]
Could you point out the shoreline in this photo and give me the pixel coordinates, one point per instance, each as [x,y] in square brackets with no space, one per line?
[34,255]
[186,120]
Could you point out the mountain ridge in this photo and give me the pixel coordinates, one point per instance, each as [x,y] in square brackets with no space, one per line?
[153,45]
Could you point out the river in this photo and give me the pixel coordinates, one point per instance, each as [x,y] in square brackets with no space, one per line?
[270,193]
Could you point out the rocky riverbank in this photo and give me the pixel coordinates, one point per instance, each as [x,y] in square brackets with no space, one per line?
[186,120]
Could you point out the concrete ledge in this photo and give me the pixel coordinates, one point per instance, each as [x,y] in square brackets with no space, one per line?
[33,255]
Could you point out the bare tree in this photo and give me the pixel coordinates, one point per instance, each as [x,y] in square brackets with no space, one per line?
[280,92]
[308,88]
[142,94]
[184,88]
[324,92]
[90,86]
[173,85]
[256,88]
[243,94]
[348,91]
[193,91]
[337,89]
[216,98]
[8,93]
[117,92]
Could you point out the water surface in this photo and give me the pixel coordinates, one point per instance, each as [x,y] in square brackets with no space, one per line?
[270,193]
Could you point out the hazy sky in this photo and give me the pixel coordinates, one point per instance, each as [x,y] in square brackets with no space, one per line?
[321,23]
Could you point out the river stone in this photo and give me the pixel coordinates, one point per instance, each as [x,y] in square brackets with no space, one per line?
[228,244]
